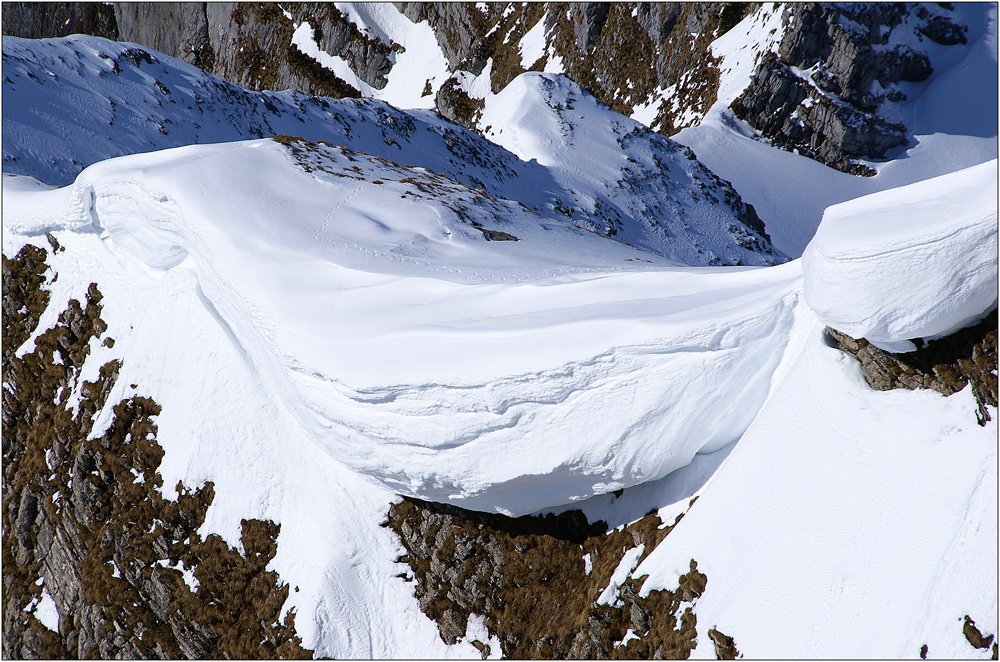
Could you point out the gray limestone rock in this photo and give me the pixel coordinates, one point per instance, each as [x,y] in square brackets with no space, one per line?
[834,114]
[39,20]
[945,365]
[459,29]
[588,19]
[178,29]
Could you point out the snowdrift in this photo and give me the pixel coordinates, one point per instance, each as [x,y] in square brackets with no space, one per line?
[918,261]
[506,375]
[319,341]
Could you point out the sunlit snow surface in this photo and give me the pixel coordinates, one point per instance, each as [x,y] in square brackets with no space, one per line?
[319,342]
[918,261]
[315,350]
[417,352]
[847,522]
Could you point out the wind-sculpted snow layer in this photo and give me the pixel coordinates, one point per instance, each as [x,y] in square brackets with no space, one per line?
[379,306]
[124,99]
[918,261]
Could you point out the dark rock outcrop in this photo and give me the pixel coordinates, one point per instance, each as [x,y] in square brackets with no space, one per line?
[622,53]
[253,48]
[85,521]
[455,104]
[527,577]
[972,634]
[945,365]
[178,29]
[831,112]
[38,20]
[725,647]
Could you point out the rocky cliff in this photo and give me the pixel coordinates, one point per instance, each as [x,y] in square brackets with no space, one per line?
[622,53]
[87,530]
[828,90]
[38,20]
[249,44]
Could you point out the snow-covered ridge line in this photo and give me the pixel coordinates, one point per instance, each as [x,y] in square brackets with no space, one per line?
[136,101]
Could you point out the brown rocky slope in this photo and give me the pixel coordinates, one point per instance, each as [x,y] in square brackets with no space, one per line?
[85,520]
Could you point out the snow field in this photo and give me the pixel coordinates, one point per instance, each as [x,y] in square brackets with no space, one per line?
[840,522]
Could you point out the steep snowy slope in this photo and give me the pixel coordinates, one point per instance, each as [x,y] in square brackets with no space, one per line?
[129,100]
[648,190]
[846,522]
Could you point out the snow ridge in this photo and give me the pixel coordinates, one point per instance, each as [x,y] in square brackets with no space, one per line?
[131,100]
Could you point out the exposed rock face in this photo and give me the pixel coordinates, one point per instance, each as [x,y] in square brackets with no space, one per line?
[528,578]
[945,365]
[725,647]
[455,104]
[972,634]
[622,53]
[85,522]
[248,44]
[459,29]
[38,20]
[252,47]
[179,29]
[825,93]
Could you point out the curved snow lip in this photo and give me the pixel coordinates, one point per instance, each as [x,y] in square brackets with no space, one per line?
[919,261]
[504,376]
